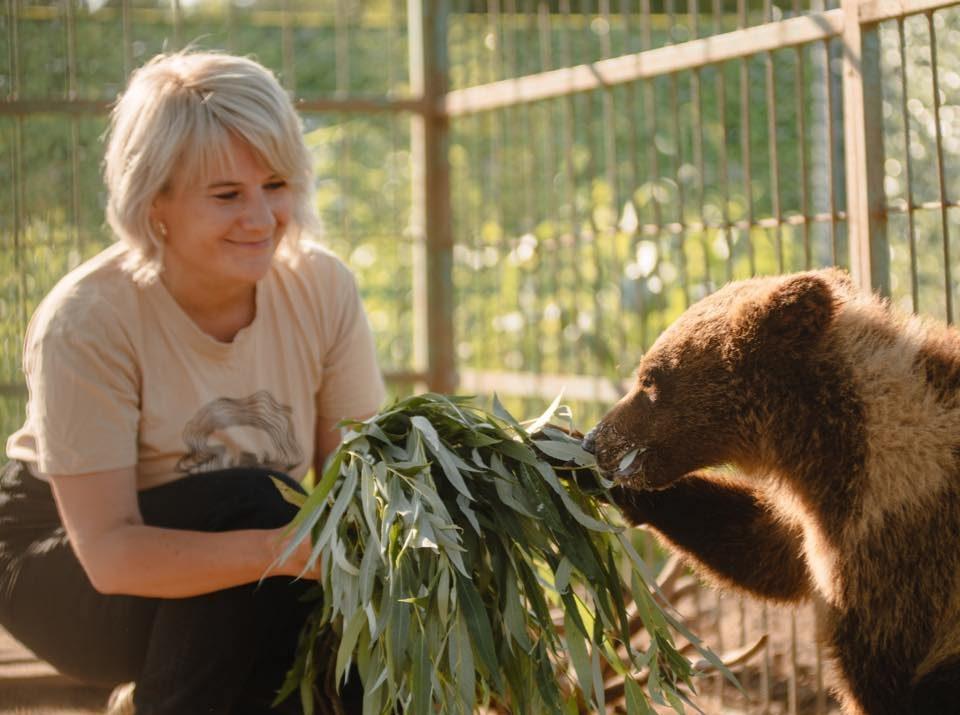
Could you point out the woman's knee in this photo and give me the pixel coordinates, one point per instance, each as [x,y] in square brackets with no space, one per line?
[220,501]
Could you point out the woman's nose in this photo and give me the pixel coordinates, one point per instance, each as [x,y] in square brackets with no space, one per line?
[259,215]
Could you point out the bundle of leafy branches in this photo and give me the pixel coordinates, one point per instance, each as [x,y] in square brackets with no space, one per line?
[450,542]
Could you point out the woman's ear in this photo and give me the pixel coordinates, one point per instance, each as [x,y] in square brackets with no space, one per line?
[156,217]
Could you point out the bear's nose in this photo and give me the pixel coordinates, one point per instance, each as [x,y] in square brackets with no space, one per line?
[589,441]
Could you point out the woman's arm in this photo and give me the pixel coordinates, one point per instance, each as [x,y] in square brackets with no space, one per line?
[327,440]
[122,555]
[325,443]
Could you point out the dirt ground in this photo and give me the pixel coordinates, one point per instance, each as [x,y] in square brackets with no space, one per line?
[30,687]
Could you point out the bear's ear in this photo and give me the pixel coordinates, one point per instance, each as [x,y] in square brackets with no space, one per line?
[786,319]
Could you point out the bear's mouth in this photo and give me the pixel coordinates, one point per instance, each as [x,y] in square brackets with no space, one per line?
[630,464]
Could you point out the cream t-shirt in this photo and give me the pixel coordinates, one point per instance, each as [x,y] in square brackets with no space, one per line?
[120,375]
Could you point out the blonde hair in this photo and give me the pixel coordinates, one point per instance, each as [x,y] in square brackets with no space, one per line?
[179,111]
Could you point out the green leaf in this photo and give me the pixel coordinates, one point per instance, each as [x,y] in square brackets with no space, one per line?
[289,494]
[478,625]
[513,615]
[561,579]
[636,701]
[347,642]
[462,663]
[420,677]
[500,411]
[575,511]
[545,418]
[577,650]
[564,451]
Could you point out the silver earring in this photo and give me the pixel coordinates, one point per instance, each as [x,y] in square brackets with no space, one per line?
[162,228]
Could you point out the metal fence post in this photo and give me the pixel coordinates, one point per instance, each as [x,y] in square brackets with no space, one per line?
[863,147]
[431,222]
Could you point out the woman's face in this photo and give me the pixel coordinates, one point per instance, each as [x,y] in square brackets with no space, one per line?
[222,230]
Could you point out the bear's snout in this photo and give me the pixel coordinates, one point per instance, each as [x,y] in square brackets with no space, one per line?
[589,442]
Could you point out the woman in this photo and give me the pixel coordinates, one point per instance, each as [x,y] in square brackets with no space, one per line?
[170,377]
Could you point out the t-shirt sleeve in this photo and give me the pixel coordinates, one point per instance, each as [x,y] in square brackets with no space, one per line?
[84,390]
[352,385]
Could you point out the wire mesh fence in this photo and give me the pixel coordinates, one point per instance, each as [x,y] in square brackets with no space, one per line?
[607,163]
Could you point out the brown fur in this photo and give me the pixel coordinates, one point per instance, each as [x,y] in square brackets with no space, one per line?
[841,419]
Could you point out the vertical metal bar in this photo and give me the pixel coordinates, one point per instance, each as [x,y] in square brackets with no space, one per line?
[288,59]
[634,183]
[678,164]
[794,674]
[493,178]
[230,13]
[766,667]
[127,39]
[431,220]
[696,101]
[863,134]
[724,161]
[342,47]
[820,706]
[947,270]
[545,36]
[718,624]
[394,31]
[800,107]
[772,143]
[342,87]
[533,351]
[609,239]
[831,153]
[745,153]
[71,94]
[568,123]
[908,168]
[13,35]
[177,24]
[649,102]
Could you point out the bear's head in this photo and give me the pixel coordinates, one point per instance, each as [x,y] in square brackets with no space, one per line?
[700,390]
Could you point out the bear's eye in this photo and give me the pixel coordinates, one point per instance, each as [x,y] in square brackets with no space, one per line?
[651,384]
[652,377]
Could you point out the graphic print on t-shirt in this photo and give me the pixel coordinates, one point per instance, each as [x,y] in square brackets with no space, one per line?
[253,431]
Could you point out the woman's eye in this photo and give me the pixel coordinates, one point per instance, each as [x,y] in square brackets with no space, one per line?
[274,185]
[227,195]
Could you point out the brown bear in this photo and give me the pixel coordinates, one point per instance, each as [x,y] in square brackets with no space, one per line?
[836,420]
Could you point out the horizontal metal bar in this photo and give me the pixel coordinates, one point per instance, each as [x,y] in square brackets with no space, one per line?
[210,13]
[345,105]
[880,10]
[902,206]
[653,229]
[404,377]
[364,105]
[547,386]
[645,65]
[23,107]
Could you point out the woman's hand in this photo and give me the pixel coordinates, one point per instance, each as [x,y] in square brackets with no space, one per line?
[296,563]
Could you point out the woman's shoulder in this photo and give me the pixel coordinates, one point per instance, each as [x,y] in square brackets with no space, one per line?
[97,293]
[317,265]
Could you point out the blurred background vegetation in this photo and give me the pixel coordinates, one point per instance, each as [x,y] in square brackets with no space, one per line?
[582,225]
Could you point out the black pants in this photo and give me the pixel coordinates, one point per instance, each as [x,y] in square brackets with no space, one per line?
[221,653]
